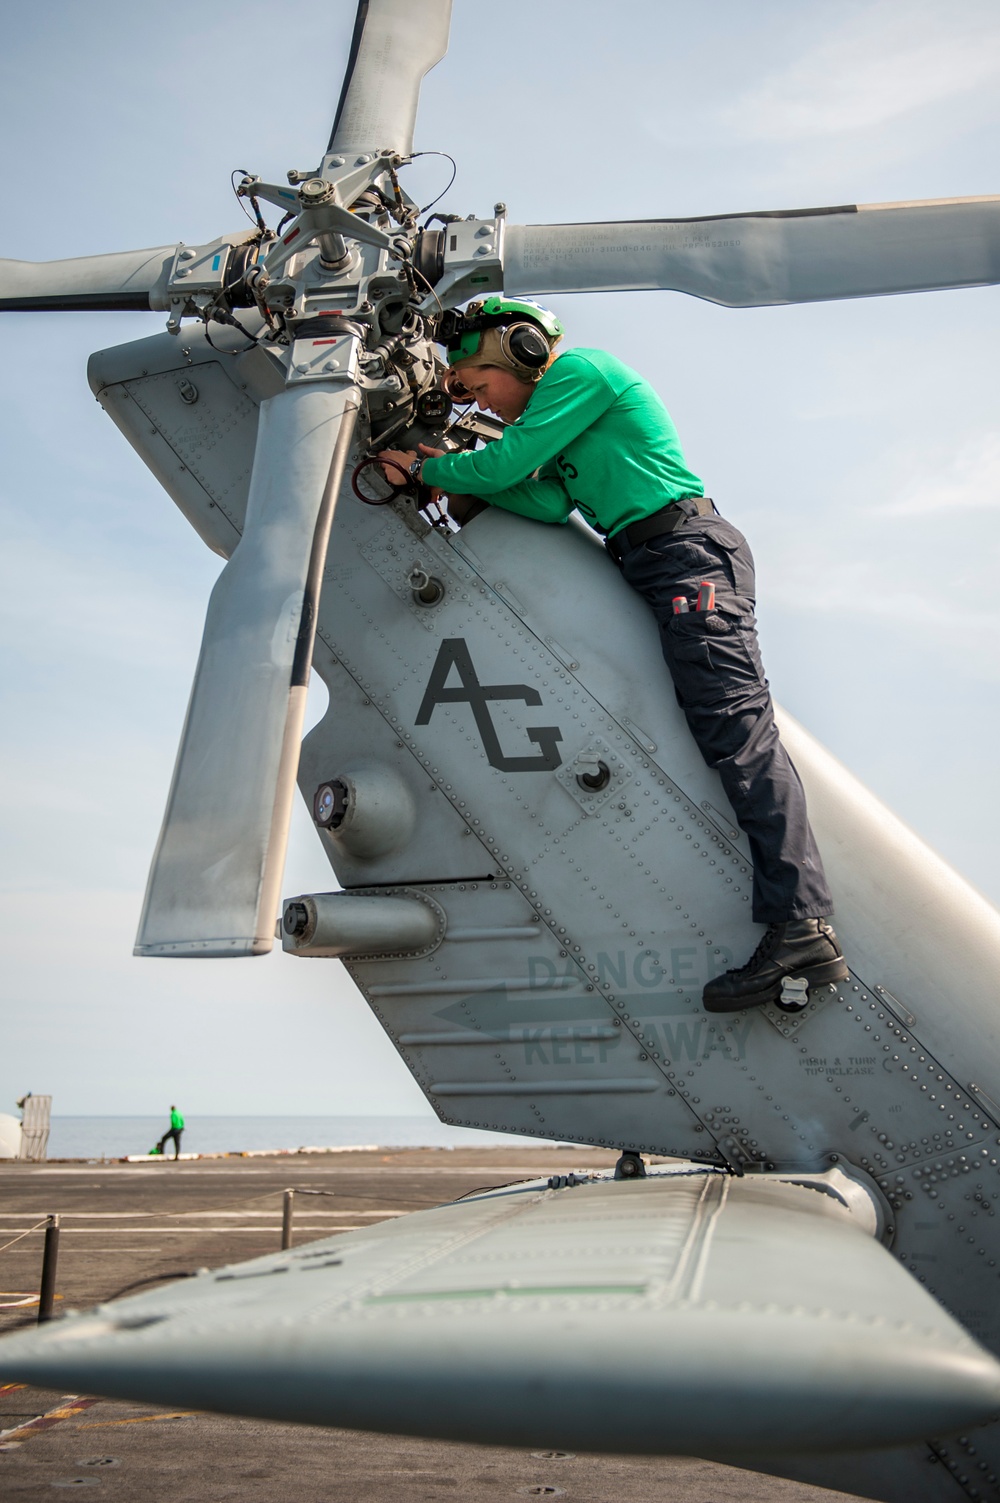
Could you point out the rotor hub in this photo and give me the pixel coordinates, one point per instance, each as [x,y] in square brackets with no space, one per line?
[315,190]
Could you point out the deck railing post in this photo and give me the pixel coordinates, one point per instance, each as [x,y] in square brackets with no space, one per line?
[50,1259]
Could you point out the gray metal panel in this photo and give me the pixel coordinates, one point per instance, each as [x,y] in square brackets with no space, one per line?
[119,280]
[939,1471]
[442,846]
[749,260]
[689,1313]
[200,451]
[917,928]
[592,958]
[637,905]
[396,42]
[503,1030]
[259,371]
[213,887]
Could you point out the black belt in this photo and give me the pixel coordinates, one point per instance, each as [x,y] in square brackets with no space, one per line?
[667,519]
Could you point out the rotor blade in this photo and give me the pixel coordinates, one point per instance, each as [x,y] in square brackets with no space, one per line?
[123,280]
[781,256]
[395,43]
[214,884]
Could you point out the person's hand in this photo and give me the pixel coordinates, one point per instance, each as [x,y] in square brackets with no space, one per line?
[391,458]
[430,453]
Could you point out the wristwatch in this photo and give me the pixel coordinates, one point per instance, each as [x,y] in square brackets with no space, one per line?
[415,469]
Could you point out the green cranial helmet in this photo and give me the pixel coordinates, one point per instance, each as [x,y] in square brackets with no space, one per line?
[462,333]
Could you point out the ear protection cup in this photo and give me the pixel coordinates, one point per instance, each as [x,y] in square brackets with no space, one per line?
[525,346]
[455,387]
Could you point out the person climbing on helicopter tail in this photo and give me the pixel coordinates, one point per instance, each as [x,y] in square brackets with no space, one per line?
[587,433]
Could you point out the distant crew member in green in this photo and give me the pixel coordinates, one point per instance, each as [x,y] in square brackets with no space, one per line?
[586,433]
[174,1131]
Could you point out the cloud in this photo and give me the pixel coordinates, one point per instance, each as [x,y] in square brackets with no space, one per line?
[96,594]
[884,63]
[968,481]
[907,550]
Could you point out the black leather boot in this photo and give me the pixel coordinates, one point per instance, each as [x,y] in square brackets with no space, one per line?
[805,948]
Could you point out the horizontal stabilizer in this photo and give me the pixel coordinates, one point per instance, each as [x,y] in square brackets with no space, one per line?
[121,281]
[689,1312]
[754,260]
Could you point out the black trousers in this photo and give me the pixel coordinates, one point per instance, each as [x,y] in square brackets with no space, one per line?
[719,680]
[175,1133]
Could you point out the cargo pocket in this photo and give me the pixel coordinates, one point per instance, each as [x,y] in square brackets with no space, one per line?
[689,658]
[734,555]
[712,658]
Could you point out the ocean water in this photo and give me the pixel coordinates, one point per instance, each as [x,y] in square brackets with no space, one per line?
[115,1137]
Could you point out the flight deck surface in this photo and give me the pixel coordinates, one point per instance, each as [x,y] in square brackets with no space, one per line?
[122,1223]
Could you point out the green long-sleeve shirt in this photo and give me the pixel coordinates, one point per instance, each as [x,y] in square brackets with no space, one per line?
[595,437]
[176,1121]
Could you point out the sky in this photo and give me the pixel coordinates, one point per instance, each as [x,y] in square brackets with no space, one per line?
[855,443]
